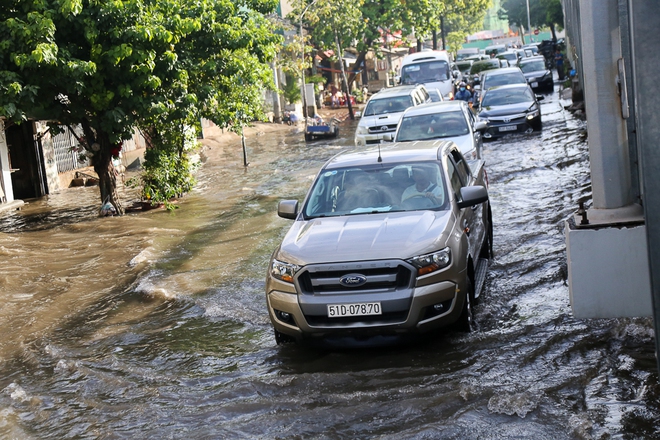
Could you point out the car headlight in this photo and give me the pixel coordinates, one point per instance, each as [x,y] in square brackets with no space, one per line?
[283,271]
[531,115]
[429,263]
[362,130]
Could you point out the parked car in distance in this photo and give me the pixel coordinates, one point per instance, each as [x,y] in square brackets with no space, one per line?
[435,95]
[480,66]
[479,57]
[537,74]
[466,52]
[464,67]
[383,112]
[510,55]
[508,109]
[449,121]
[500,77]
[534,47]
[497,77]
[495,49]
[388,242]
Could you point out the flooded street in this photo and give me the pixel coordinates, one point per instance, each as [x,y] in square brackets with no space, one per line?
[154,325]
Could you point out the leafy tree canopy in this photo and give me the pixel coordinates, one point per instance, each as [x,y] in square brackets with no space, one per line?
[541,13]
[114,65]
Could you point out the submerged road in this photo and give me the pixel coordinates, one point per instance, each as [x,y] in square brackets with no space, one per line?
[154,325]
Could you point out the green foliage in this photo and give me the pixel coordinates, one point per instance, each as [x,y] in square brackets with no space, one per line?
[168,172]
[115,65]
[455,41]
[541,12]
[291,90]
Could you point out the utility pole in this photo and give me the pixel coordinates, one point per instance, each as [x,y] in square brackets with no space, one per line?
[529,26]
[302,65]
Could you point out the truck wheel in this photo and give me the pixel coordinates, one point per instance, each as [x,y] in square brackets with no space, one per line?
[281,338]
[465,322]
[309,137]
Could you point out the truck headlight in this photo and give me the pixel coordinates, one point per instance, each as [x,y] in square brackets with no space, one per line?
[533,114]
[426,264]
[283,271]
[362,130]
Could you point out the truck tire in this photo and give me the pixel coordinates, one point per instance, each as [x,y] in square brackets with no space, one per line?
[465,322]
[281,338]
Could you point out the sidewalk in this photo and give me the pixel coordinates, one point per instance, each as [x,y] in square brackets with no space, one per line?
[15,205]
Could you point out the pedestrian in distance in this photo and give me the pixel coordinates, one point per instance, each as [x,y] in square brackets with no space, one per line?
[559,63]
[334,99]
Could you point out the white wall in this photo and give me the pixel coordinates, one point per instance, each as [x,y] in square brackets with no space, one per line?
[5,175]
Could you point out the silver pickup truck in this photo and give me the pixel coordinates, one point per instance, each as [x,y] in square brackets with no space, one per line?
[388,241]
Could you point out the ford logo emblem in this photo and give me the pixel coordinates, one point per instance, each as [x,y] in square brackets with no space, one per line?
[352,280]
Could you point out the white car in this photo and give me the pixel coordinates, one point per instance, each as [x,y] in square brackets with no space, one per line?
[447,121]
[383,112]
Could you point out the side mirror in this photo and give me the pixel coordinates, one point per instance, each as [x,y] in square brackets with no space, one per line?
[388,137]
[540,97]
[480,126]
[397,80]
[472,195]
[288,209]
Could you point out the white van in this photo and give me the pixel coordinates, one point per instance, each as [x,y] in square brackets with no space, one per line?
[431,68]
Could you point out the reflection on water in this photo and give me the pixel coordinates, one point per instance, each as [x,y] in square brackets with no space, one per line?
[154,325]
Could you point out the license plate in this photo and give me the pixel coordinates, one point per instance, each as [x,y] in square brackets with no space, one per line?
[357,309]
[535,84]
[509,128]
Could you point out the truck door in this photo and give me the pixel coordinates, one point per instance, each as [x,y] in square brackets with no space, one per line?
[470,218]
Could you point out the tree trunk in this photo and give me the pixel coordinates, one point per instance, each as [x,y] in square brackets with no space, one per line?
[442,32]
[435,40]
[344,80]
[104,168]
[554,34]
[360,61]
[98,143]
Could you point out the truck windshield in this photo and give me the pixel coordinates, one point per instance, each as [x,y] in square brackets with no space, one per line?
[433,126]
[409,186]
[425,72]
[393,104]
[533,66]
[495,97]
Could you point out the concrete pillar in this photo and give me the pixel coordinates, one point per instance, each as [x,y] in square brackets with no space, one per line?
[607,274]
[644,25]
[277,108]
[608,146]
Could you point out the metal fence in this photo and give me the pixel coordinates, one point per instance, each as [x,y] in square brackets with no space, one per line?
[65,155]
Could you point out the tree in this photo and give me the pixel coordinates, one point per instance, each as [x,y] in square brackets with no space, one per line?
[336,25]
[541,13]
[114,66]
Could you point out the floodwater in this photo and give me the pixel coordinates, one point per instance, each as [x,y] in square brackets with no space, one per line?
[154,325]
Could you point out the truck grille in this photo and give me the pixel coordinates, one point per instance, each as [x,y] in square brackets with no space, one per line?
[381,276]
[385,128]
